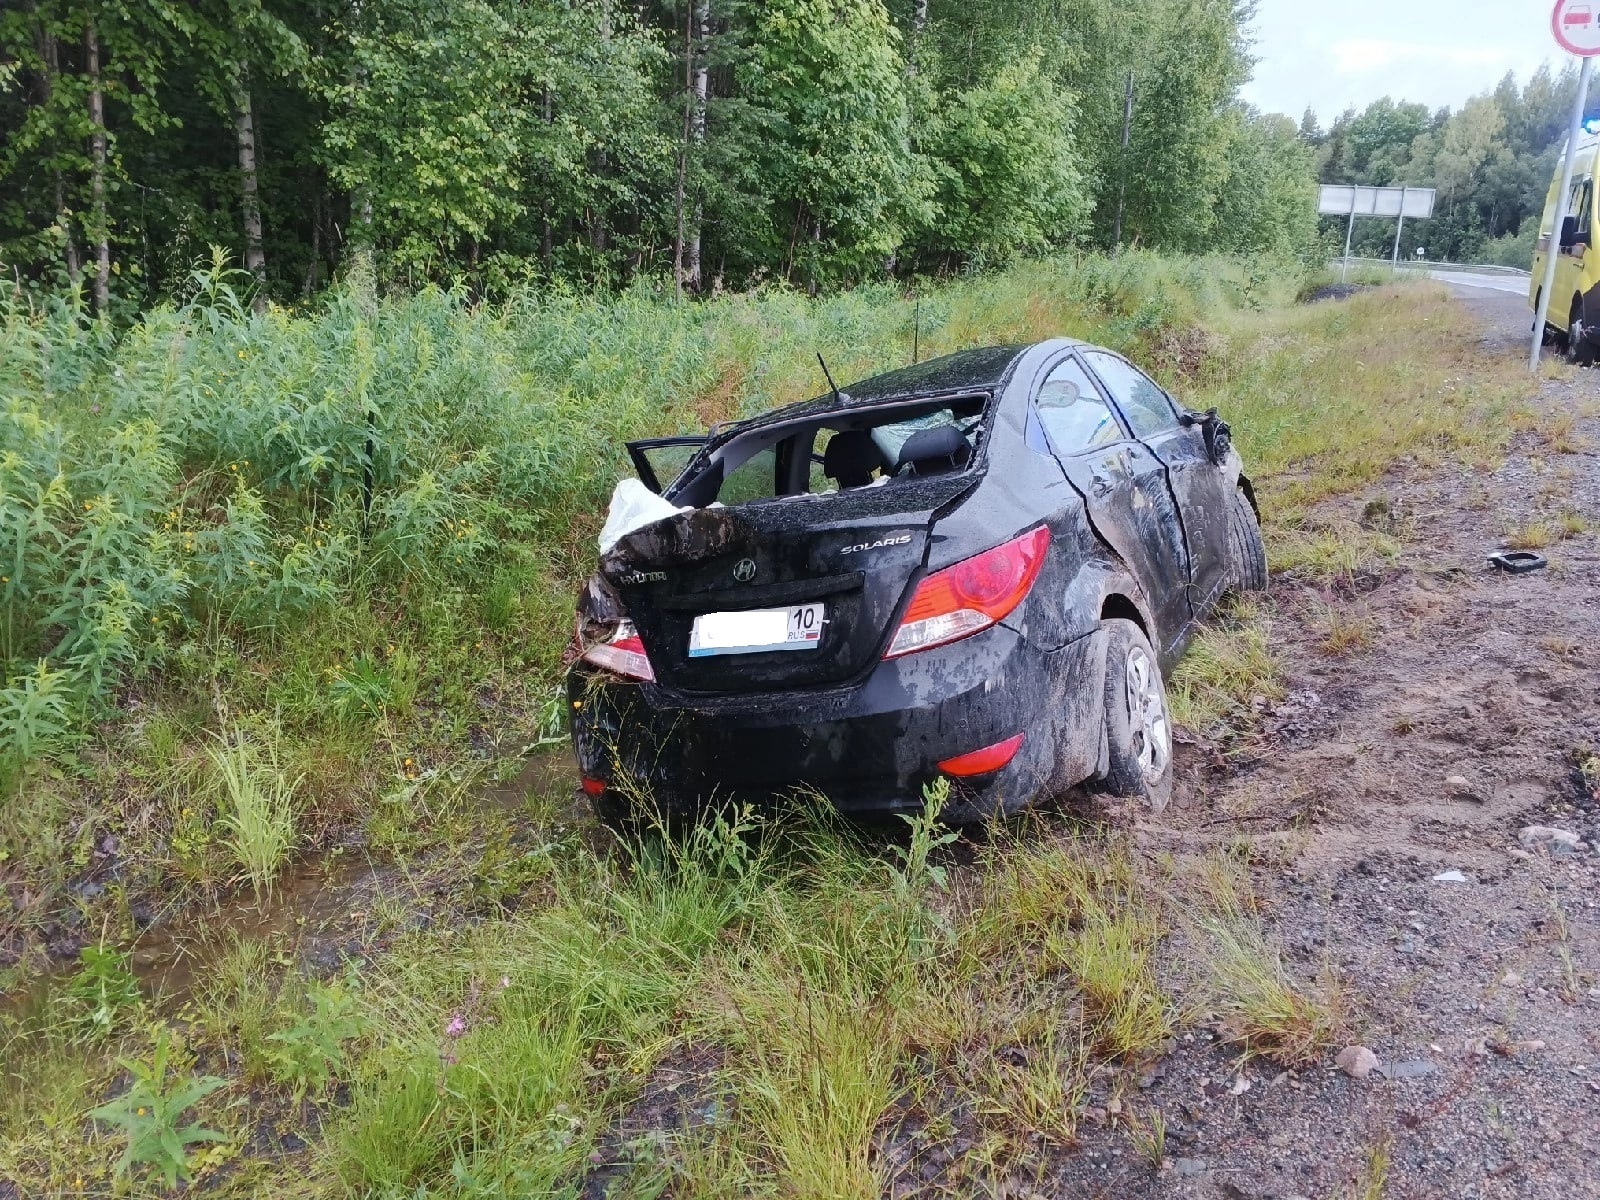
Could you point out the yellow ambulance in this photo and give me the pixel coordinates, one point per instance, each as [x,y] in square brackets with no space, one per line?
[1574,318]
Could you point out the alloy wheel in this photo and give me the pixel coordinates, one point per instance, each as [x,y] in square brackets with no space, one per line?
[1147,715]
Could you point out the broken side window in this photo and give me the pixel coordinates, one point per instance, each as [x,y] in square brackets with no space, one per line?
[756,478]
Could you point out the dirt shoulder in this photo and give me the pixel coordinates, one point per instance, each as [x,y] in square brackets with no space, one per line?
[1381,805]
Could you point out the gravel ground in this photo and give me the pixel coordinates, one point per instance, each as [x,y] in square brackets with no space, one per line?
[1424,755]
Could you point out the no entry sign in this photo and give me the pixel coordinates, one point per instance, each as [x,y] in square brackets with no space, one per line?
[1576,24]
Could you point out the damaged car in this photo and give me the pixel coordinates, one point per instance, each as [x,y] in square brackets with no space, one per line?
[979,568]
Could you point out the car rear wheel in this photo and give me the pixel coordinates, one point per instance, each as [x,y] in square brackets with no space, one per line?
[1580,339]
[1138,726]
[1246,552]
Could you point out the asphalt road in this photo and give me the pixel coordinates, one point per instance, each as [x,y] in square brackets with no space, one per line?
[1498,283]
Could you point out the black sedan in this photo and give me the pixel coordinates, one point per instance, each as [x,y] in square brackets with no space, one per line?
[980,567]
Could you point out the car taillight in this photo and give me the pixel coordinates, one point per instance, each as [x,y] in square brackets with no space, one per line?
[971,595]
[622,654]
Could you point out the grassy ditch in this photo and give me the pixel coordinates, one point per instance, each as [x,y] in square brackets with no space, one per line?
[772,1006]
[224,648]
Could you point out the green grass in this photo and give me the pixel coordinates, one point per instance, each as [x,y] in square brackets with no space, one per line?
[257,798]
[1228,670]
[1261,1007]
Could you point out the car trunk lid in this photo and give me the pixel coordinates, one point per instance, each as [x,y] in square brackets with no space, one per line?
[855,552]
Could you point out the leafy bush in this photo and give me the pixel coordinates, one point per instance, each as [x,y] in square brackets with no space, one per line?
[149,1112]
[101,992]
[311,1051]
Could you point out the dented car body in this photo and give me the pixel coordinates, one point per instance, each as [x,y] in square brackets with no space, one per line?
[980,567]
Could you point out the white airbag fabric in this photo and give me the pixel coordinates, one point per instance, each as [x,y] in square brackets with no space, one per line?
[633,506]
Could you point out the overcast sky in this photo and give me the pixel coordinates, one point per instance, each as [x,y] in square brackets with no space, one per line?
[1331,54]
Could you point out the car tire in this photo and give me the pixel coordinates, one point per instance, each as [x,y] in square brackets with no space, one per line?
[1580,340]
[1247,553]
[1138,725]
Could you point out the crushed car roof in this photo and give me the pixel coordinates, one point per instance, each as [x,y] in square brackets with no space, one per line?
[964,371]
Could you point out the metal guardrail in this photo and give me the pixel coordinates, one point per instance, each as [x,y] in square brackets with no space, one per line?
[1415,264]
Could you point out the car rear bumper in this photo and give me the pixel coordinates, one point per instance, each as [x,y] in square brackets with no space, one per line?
[868,748]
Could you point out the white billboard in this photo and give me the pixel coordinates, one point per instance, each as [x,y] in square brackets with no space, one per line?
[1343,200]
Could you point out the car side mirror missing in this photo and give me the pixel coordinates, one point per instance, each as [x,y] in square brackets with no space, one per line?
[1218,436]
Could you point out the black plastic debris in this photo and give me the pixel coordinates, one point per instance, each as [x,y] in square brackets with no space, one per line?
[1518,562]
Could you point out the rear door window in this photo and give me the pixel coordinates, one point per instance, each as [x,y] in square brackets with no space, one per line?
[1582,207]
[1144,404]
[1074,414]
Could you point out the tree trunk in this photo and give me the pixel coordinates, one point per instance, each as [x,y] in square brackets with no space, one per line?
[244,124]
[602,161]
[1122,167]
[816,251]
[50,55]
[700,11]
[101,232]
[919,23]
[597,215]
[679,193]
[64,218]
[546,239]
[316,241]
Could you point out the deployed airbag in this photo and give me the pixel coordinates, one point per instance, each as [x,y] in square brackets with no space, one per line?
[633,506]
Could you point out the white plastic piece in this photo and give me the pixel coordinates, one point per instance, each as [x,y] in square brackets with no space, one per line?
[633,506]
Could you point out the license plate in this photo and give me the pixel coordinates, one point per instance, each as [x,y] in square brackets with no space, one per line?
[757,631]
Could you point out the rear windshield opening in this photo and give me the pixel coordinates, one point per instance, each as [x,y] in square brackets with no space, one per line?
[841,451]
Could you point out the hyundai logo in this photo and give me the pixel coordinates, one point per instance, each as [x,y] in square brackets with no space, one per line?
[744,570]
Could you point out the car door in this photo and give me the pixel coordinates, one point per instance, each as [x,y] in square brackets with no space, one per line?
[1571,253]
[1199,485]
[659,461]
[1123,485]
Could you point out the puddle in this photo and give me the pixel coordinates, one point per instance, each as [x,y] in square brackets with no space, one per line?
[326,907]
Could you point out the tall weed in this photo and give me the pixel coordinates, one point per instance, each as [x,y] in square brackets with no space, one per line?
[257,797]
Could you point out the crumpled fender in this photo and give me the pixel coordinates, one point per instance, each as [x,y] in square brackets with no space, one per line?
[1097,580]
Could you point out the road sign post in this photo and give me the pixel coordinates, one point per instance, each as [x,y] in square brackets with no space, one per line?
[1576,30]
[1399,228]
[1349,235]
[1350,201]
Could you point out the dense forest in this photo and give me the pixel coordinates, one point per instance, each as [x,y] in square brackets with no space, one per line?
[716,142]
[1491,161]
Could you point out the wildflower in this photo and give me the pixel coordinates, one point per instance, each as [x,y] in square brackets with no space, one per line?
[457,1026]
